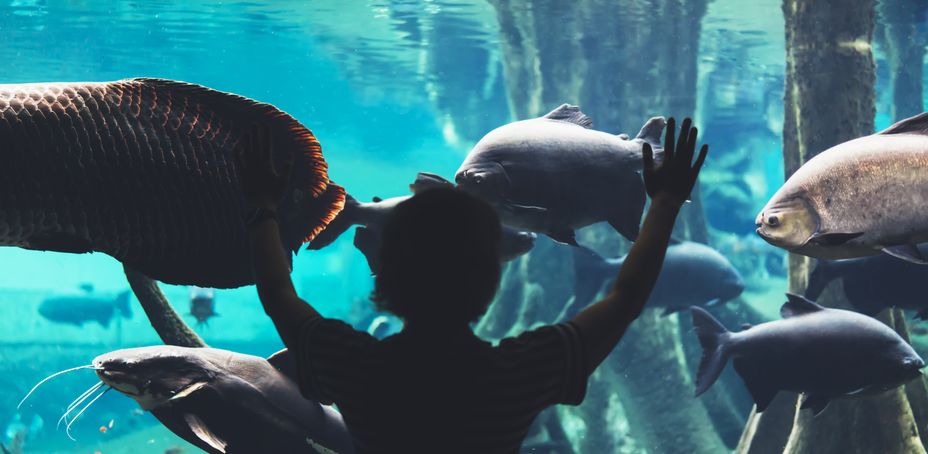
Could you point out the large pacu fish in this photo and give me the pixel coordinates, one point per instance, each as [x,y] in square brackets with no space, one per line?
[693,274]
[225,402]
[554,174]
[858,198]
[822,353]
[145,170]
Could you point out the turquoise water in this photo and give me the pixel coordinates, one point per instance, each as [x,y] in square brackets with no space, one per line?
[390,88]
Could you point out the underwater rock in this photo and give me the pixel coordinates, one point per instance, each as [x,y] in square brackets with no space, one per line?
[86,307]
[224,401]
[858,198]
[693,274]
[144,171]
[822,353]
[554,174]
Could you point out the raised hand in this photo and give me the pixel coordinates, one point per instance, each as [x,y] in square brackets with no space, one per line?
[675,177]
[262,185]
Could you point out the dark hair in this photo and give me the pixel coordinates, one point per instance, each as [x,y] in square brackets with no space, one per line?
[439,258]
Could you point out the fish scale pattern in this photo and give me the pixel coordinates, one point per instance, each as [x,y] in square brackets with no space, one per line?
[144,170]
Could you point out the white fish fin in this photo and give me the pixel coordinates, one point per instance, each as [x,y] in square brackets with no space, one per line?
[651,132]
[815,402]
[907,252]
[202,432]
[570,114]
[426,180]
[914,125]
[797,305]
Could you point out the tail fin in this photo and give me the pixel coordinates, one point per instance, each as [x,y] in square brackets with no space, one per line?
[651,133]
[713,337]
[819,279]
[591,271]
[342,222]
[122,304]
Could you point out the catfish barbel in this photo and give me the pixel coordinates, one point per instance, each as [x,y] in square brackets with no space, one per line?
[144,170]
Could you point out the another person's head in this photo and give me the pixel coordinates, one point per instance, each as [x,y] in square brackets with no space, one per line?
[439,259]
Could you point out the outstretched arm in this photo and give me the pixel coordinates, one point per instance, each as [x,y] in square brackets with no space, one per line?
[603,323]
[263,187]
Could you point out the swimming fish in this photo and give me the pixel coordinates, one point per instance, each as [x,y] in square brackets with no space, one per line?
[858,198]
[554,174]
[85,307]
[144,170]
[371,216]
[693,275]
[872,284]
[202,304]
[225,402]
[820,352]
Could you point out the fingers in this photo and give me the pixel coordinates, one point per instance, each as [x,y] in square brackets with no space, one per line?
[647,154]
[700,160]
[682,141]
[669,139]
[685,155]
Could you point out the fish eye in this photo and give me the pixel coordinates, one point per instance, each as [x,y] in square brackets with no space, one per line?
[773,221]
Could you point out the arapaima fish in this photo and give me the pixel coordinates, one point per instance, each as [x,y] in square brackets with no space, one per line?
[144,170]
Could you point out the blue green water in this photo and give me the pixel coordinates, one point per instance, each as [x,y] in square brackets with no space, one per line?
[390,88]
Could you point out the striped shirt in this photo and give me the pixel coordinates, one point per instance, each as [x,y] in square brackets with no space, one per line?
[457,394]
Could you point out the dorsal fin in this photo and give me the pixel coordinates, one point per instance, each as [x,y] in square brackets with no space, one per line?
[797,305]
[283,362]
[570,114]
[652,130]
[425,180]
[914,125]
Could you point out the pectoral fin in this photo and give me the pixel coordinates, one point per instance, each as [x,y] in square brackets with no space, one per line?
[907,252]
[565,236]
[531,214]
[833,239]
[814,402]
[203,433]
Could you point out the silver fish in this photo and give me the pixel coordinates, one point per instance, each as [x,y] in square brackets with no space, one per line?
[858,198]
[554,174]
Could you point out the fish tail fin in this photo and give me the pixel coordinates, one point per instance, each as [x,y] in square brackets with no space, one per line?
[122,303]
[651,133]
[342,222]
[714,340]
[590,273]
[819,279]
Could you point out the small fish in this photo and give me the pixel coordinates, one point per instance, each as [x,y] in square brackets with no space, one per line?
[85,307]
[202,305]
[859,198]
[820,352]
[554,174]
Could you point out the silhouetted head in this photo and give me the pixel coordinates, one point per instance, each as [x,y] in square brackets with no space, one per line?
[439,259]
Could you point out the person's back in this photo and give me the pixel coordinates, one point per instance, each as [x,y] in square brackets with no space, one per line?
[436,387]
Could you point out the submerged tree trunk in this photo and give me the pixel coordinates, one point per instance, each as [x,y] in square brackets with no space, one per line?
[621,62]
[171,328]
[830,99]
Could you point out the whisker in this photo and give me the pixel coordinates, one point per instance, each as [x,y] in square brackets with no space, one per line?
[89,366]
[67,430]
[80,399]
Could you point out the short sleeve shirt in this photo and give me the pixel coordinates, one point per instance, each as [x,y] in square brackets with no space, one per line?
[456,394]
